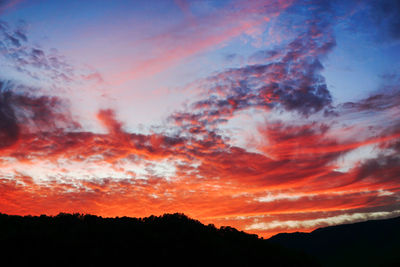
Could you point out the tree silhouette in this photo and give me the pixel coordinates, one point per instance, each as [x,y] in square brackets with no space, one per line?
[171,239]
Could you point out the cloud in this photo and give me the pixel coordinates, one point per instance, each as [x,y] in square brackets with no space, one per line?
[289,78]
[9,129]
[385,15]
[193,35]
[377,102]
[8,4]
[13,38]
[50,68]
[22,112]
[322,222]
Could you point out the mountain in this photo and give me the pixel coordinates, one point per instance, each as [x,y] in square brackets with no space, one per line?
[168,240]
[370,243]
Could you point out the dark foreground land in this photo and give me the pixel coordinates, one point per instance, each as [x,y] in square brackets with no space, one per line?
[176,240]
[169,240]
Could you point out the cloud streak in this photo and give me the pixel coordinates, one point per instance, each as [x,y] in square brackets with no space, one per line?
[193,36]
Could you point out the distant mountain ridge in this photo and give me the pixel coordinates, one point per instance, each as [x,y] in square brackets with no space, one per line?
[370,243]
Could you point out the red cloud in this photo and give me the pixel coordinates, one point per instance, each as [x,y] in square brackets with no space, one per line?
[213,181]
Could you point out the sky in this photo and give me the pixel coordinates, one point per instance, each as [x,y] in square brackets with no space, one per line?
[268,116]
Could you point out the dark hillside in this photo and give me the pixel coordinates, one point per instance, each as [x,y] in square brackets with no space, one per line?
[172,239]
[371,243]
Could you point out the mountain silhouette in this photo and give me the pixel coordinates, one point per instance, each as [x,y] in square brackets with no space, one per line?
[168,240]
[370,243]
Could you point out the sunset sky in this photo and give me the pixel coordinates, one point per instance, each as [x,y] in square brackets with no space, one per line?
[268,116]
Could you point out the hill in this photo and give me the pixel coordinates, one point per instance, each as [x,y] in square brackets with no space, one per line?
[171,239]
[370,243]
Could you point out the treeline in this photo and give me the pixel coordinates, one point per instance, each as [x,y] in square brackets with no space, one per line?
[171,239]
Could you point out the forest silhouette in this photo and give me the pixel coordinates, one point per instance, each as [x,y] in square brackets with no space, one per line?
[171,239]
